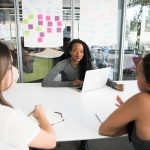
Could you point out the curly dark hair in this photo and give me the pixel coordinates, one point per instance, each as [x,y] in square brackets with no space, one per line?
[86,62]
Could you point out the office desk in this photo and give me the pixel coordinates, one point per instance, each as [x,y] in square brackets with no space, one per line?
[78,109]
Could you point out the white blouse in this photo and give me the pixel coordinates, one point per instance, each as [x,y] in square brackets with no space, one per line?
[16,130]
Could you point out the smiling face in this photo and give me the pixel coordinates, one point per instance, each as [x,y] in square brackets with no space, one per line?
[77,52]
[141,82]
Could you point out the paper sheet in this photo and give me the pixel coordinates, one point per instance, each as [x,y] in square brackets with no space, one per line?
[53,117]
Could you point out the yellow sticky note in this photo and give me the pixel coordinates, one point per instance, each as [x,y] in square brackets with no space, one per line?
[26,33]
[25,21]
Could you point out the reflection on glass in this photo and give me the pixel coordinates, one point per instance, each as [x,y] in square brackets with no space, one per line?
[137,35]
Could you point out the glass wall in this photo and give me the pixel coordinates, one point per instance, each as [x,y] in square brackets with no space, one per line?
[36,68]
[8,27]
[137,33]
[7,24]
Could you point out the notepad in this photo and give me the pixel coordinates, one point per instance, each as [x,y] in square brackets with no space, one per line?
[53,117]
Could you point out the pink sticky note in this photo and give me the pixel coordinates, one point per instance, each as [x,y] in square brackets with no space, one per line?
[59,23]
[40,16]
[58,29]
[48,18]
[42,34]
[30,26]
[49,23]
[40,23]
[49,30]
[56,18]
[40,40]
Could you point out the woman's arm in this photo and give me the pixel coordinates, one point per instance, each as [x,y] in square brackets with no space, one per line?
[46,137]
[20,131]
[116,123]
[44,140]
[114,85]
[111,83]
[48,81]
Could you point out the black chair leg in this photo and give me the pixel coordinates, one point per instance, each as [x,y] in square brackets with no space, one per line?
[84,145]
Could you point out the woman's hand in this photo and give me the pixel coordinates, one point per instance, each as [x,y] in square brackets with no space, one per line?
[120,101]
[119,87]
[38,112]
[77,82]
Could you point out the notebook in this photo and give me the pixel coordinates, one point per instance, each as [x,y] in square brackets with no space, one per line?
[95,79]
[53,117]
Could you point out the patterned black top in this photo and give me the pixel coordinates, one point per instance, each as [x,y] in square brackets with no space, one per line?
[137,143]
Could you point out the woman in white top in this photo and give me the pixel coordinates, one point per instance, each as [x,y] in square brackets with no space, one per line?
[17,131]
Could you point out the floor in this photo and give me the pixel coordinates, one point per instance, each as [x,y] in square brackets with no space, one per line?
[117,143]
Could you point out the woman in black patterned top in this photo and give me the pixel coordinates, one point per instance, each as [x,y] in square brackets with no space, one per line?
[133,116]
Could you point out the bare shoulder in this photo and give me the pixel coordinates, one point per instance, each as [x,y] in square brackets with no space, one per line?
[142,98]
[139,99]
[139,104]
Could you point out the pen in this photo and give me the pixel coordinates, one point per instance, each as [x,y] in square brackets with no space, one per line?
[98,118]
[31,112]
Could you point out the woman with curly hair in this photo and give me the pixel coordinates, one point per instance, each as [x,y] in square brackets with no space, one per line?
[72,69]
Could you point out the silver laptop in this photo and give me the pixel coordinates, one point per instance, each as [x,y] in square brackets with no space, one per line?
[95,79]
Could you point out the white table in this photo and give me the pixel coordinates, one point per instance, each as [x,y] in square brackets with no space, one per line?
[78,109]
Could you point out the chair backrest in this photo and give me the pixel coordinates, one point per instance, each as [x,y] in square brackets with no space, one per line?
[100,55]
[136,60]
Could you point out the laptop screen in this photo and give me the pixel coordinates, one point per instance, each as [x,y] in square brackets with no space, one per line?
[95,79]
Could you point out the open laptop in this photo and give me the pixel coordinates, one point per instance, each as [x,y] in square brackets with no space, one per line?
[95,79]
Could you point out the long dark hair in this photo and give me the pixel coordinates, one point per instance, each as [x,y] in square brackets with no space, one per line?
[146,67]
[86,62]
[5,62]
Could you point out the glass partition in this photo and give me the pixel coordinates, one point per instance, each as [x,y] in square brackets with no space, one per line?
[7,24]
[36,68]
[137,42]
